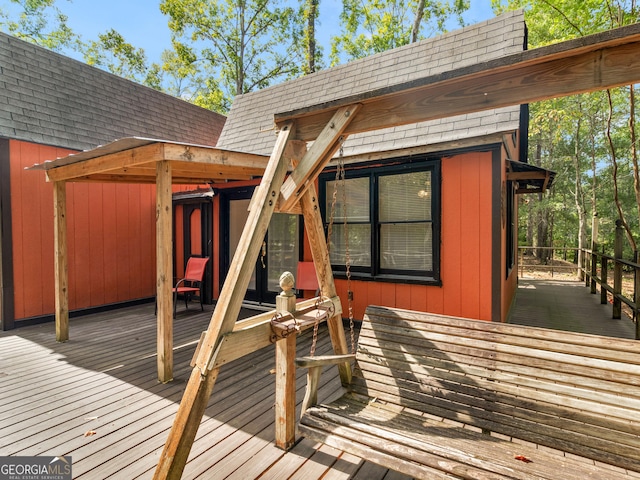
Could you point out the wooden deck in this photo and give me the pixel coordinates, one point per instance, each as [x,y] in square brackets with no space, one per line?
[566,305]
[97,399]
[102,384]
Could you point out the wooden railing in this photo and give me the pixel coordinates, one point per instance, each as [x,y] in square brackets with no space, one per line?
[619,279]
[551,267]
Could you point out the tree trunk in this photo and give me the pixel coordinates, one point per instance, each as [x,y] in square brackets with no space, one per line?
[579,200]
[614,162]
[417,20]
[312,14]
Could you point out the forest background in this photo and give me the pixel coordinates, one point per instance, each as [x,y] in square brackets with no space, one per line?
[222,48]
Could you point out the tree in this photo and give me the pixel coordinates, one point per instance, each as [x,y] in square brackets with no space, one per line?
[600,126]
[39,22]
[380,25]
[248,44]
[313,52]
[113,53]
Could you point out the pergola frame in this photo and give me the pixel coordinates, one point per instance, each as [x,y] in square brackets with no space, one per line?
[145,161]
[591,63]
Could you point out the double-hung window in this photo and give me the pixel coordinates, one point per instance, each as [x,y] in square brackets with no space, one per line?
[385,220]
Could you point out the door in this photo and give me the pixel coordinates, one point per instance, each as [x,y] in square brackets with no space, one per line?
[193,236]
[280,250]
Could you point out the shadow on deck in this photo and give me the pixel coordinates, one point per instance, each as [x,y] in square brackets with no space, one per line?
[566,305]
[96,398]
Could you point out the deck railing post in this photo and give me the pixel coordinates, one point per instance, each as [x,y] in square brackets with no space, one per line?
[286,370]
[594,268]
[617,271]
[636,294]
[604,278]
[594,254]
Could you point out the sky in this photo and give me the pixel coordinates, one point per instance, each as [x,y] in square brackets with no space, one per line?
[144,26]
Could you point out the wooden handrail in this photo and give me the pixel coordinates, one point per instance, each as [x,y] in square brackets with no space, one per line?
[596,270]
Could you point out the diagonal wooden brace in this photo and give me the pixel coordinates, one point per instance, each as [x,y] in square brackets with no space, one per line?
[194,401]
[317,157]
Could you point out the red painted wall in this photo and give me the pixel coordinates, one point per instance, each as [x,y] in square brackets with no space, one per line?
[466,249]
[110,230]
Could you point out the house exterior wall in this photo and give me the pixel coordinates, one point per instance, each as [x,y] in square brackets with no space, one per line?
[466,249]
[111,238]
[52,105]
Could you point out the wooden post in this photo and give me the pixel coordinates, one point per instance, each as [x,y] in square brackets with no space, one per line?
[315,233]
[203,376]
[594,254]
[286,370]
[617,271]
[636,295]
[604,278]
[594,270]
[61,284]
[164,271]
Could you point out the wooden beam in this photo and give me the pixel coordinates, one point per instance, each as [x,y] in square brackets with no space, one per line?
[531,175]
[254,333]
[105,163]
[215,156]
[61,281]
[317,157]
[596,62]
[164,271]
[315,233]
[194,401]
[285,406]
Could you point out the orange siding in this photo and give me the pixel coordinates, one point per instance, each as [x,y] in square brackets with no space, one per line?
[196,232]
[465,257]
[111,238]
[178,249]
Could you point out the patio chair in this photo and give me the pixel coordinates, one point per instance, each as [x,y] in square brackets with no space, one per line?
[191,283]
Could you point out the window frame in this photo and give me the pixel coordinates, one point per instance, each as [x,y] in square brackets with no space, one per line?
[373,172]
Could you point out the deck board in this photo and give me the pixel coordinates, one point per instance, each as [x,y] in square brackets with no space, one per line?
[104,380]
[566,305]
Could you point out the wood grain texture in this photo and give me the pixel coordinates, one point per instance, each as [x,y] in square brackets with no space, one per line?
[429,388]
[591,63]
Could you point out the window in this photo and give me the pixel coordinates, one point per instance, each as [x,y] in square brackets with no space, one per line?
[385,220]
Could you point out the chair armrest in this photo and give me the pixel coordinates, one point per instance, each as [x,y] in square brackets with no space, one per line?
[182,280]
[315,364]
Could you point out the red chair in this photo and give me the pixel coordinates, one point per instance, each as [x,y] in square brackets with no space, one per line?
[191,283]
[306,278]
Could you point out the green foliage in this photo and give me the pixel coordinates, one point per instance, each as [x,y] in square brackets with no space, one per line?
[247,44]
[569,135]
[378,25]
[112,52]
[39,22]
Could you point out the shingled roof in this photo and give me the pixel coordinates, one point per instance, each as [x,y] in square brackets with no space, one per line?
[249,126]
[51,99]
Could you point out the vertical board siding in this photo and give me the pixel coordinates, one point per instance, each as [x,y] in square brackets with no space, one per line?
[111,238]
[465,258]
[451,240]
[178,250]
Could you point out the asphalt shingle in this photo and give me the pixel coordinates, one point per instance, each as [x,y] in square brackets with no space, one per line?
[51,99]
[249,126]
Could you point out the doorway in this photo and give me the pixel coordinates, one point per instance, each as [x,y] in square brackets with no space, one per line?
[193,235]
[280,249]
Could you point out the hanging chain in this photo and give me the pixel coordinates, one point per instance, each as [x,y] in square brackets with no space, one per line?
[328,313]
[334,198]
[339,180]
[341,175]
